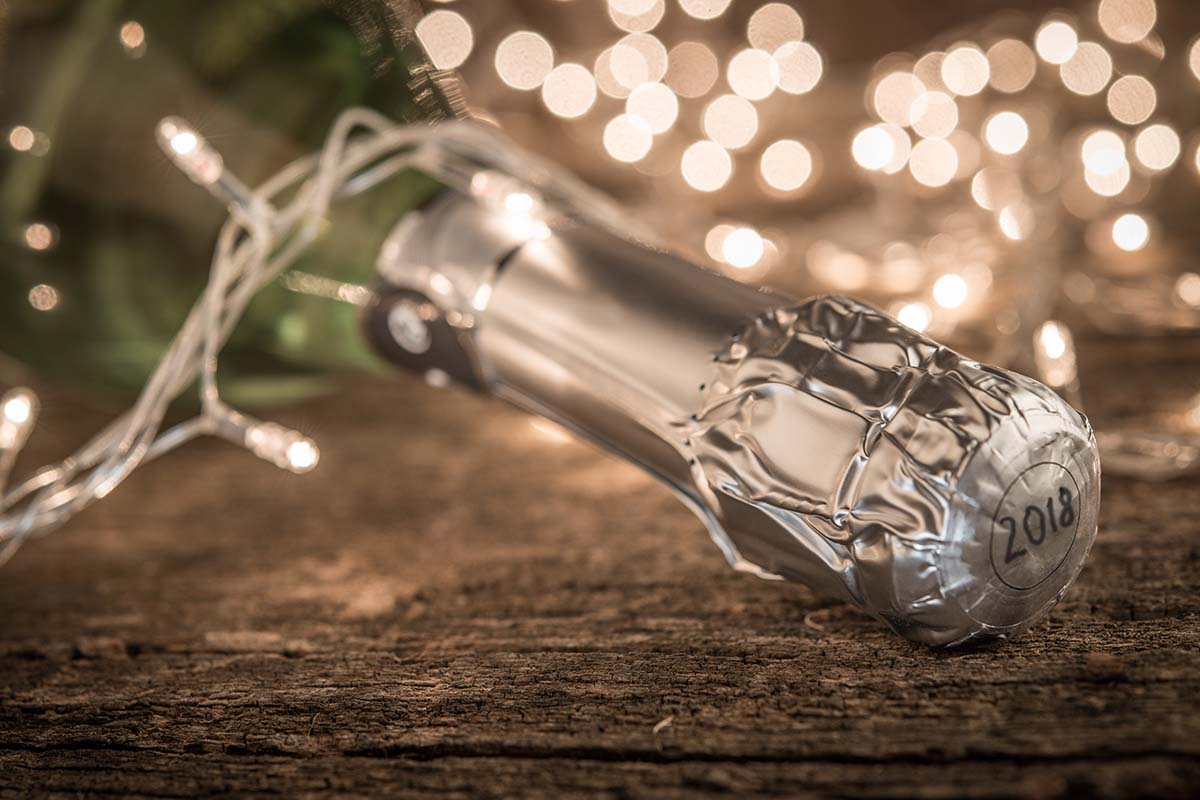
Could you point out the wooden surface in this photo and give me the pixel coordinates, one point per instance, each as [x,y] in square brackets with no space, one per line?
[456,604]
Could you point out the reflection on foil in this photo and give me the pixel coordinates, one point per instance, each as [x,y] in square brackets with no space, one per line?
[843,450]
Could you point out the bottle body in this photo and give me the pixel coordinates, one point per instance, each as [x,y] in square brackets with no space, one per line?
[821,442]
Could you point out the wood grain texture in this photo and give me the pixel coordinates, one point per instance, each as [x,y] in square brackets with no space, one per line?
[456,605]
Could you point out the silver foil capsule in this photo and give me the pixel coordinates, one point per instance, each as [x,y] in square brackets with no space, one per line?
[821,441]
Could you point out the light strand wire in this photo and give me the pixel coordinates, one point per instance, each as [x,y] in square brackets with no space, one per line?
[268,228]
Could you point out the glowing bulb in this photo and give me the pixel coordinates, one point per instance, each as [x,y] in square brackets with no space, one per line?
[706,166]
[39,236]
[872,148]
[934,115]
[1012,66]
[895,95]
[1052,340]
[915,316]
[965,70]
[1103,153]
[520,203]
[1056,42]
[524,59]
[1088,71]
[1127,21]
[753,74]
[1157,146]
[569,91]
[1130,232]
[950,291]
[933,162]
[692,69]
[189,151]
[18,408]
[1006,132]
[786,165]
[302,455]
[730,121]
[774,25]
[133,38]
[1131,99]
[446,37]
[654,103]
[43,297]
[704,9]
[21,139]
[627,138]
[798,67]
[743,248]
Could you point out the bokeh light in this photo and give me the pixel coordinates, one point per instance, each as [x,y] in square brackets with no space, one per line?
[872,148]
[1130,232]
[1089,70]
[704,9]
[950,290]
[730,121]
[1157,146]
[1131,99]
[1012,66]
[627,138]
[641,21]
[569,91]
[786,165]
[1103,152]
[894,97]
[43,297]
[1127,21]
[524,59]
[654,103]
[1006,132]
[39,236]
[692,69]
[934,115]
[446,37]
[743,248]
[21,138]
[933,162]
[753,74]
[915,316]
[965,70]
[799,67]
[706,166]
[1056,42]
[774,25]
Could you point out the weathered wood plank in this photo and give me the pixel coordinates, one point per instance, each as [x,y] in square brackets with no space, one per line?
[455,604]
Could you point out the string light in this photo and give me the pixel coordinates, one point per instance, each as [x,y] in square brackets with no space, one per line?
[950,291]
[1157,147]
[569,91]
[730,121]
[1056,42]
[524,59]
[706,166]
[1006,132]
[743,248]
[1088,71]
[1131,99]
[798,66]
[21,138]
[915,316]
[446,37]
[133,38]
[786,165]
[628,138]
[1130,232]
[774,25]
[43,297]
[753,74]
[655,104]
[692,69]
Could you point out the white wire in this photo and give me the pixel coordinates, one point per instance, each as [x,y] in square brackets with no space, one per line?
[267,229]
